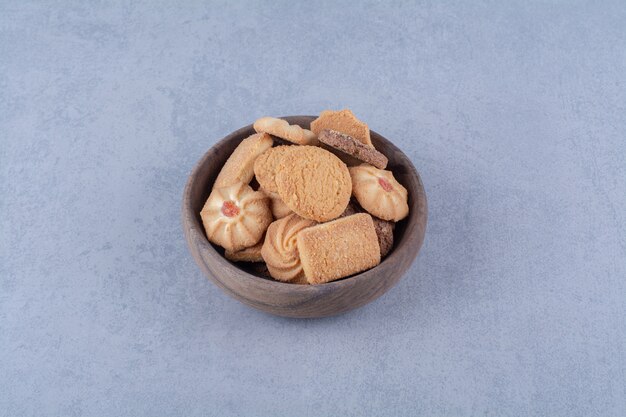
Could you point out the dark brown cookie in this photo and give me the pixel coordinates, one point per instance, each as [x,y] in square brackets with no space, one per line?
[351,209]
[352,147]
[384,232]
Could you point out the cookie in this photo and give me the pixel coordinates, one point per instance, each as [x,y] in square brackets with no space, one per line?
[343,121]
[277,205]
[282,129]
[378,192]
[280,250]
[235,217]
[266,166]
[384,228]
[352,147]
[314,183]
[338,249]
[300,280]
[351,209]
[251,254]
[240,165]
[384,233]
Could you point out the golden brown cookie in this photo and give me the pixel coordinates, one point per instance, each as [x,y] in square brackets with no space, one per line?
[266,166]
[378,192]
[337,249]
[349,146]
[240,165]
[280,250]
[282,129]
[384,228]
[343,121]
[251,254]
[235,217]
[300,280]
[277,205]
[314,183]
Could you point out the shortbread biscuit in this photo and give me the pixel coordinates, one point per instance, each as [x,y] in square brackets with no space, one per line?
[337,249]
[280,250]
[343,121]
[282,129]
[384,228]
[352,147]
[314,183]
[300,280]
[277,205]
[240,165]
[251,254]
[378,192]
[266,166]
[235,217]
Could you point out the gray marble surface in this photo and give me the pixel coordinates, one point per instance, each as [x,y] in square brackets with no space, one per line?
[513,112]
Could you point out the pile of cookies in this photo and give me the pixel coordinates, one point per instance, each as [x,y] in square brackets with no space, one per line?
[324,207]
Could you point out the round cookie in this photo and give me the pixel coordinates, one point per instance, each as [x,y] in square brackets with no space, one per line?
[266,166]
[280,250]
[314,183]
[277,205]
[240,165]
[235,217]
[352,147]
[282,129]
[378,192]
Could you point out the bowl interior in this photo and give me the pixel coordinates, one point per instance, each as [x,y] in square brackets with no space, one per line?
[209,166]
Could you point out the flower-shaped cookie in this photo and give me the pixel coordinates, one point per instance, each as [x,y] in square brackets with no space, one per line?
[235,217]
[378,192]
[280,250]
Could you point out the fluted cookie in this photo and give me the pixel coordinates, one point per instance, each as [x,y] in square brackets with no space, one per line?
[343,121]
[235,217]
[266,166]
[251,254]
[378,192]
[280,250]
[282,129]
[340,248]
[240,165]
[314,183]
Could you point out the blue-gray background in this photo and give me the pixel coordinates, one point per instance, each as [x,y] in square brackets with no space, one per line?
[513,112]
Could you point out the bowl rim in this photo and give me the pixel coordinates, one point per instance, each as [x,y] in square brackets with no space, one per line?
[193,228]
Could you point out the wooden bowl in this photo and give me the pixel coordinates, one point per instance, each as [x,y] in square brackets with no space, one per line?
[294,300]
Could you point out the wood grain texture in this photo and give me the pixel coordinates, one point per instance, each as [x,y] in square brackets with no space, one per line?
[303,300]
